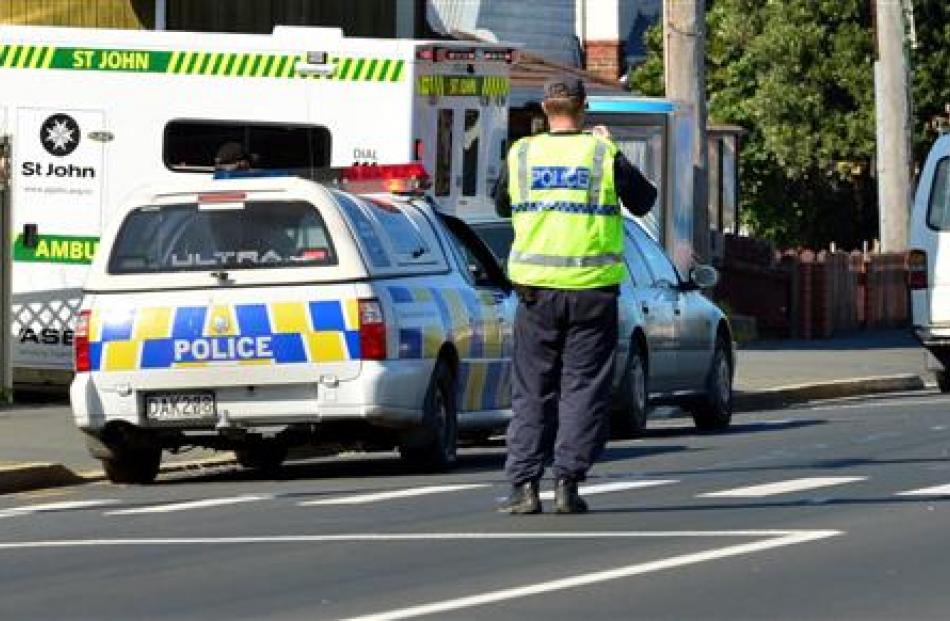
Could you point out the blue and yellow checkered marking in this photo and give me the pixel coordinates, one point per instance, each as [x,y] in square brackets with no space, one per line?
[470,321]
[197,336]
[484,385]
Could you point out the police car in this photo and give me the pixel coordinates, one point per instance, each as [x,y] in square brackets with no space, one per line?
[256,314]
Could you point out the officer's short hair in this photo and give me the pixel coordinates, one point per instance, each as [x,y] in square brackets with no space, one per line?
[564,95]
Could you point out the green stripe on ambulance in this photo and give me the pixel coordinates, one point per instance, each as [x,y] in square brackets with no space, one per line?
[57,249]
[195,62]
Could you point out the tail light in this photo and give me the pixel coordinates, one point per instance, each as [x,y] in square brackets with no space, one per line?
[917,269]
[372,330]
[83,362]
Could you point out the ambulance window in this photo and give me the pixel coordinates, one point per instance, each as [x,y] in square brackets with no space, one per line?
[191,146]
[185,237]
[473,130]
[443,153]
[938,212]
[408,243]
[364,230]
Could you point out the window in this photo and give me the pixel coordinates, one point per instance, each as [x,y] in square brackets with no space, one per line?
[191,146]
[364,229]
[473,130]
[656,259]
[404,237]
[443,153]
[636,264]
[938,211]
[261,234]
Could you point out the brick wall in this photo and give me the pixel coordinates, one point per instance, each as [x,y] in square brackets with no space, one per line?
[605,59]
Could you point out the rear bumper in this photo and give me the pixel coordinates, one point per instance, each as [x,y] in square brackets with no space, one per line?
[385,394]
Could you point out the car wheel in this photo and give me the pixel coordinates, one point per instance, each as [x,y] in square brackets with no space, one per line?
[138,466]
[631,420]
[943,381]
[434,448]
[264,455]
[713,411]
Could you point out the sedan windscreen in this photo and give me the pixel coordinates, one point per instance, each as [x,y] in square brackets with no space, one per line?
[192,237]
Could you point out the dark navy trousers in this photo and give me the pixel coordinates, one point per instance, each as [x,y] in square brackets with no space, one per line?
[564,343]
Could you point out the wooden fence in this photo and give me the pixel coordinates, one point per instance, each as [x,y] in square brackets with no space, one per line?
[810,294]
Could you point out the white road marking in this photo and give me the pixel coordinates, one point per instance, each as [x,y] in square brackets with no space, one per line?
[491,597]
[613,486]
[362,499]
[781,487]
[409,537]
[192,504]
[938,490]
[55,506]
[886,402]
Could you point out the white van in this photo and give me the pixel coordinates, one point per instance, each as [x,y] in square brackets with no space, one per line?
[929,260]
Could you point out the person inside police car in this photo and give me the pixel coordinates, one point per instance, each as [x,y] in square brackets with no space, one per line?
[563,191]
[232,156]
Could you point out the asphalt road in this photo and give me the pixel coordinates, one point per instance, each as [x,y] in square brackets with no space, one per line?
[837,512]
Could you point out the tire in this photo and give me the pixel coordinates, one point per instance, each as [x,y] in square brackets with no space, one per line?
[434,447]
[139,466]
[943,381]
[713,411]
[631,420]
[264,455]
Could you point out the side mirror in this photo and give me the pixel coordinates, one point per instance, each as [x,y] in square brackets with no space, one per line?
[704,276]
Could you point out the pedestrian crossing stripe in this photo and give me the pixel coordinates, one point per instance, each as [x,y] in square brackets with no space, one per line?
[198,62]
[357,497]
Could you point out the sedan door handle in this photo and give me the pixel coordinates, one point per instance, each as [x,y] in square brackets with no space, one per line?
[677,312]
[645,309]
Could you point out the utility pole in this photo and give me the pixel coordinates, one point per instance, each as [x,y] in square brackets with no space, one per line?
[892,104]
[6,274]
[684,56]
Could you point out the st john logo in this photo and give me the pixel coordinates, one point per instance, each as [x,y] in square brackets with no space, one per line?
[60,135]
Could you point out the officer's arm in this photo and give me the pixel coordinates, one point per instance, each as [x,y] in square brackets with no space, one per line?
[502,197]
[635,191]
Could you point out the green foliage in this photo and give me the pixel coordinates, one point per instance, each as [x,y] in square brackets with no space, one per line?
[798,76]
[930,59]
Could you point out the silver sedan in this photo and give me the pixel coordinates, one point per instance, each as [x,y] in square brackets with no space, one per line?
[676,347]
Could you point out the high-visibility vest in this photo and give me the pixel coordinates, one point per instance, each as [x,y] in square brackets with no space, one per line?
[565,213]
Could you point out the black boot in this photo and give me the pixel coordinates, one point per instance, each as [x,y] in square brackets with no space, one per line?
[524,499]
[566,498]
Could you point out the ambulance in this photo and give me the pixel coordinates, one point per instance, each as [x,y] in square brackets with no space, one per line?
[90,115]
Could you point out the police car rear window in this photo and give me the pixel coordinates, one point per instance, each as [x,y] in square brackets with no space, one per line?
[189,237]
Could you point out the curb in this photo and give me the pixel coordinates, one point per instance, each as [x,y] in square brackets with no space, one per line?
[775,398]
[16,478]
[27,477]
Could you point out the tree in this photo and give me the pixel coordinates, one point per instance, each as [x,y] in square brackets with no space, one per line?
[798,76]
[930,59]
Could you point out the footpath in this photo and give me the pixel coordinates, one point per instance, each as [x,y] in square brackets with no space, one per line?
[40,447]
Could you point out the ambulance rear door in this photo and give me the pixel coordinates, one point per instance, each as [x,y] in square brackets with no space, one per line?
[462,121]
[57,196]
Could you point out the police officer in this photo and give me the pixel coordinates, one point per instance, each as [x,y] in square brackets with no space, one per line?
[563,191]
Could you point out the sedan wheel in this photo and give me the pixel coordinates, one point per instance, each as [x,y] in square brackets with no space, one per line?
[631,421]
[713,411]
